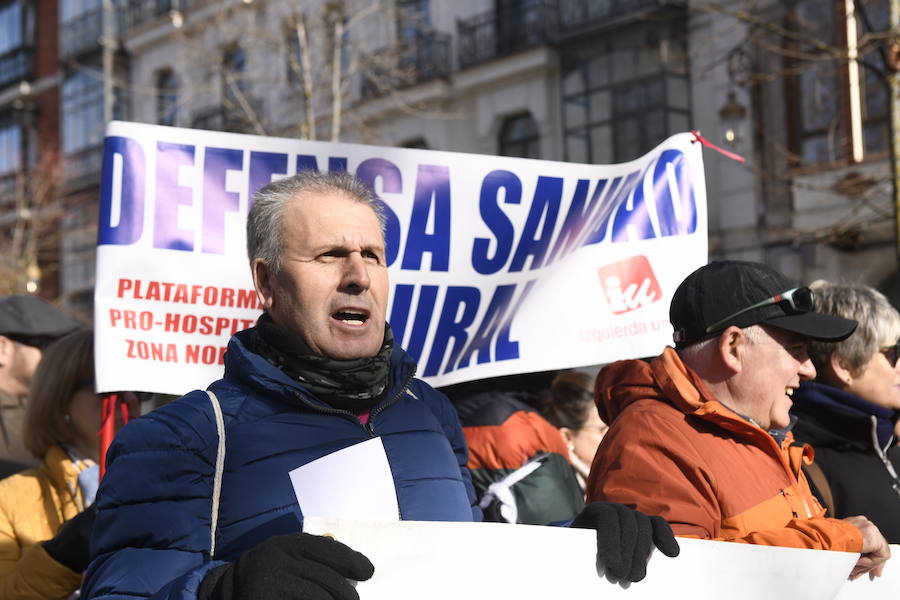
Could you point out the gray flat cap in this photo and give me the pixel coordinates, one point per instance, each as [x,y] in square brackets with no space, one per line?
[32,321]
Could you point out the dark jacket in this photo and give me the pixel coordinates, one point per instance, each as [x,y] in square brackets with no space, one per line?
[503,433]
[153,525]
[854,445]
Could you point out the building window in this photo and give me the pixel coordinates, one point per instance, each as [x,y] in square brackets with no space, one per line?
[81,25]
[293,57]
[16,42]
[840,112]
[78,245]
[167,97]
[519,137]
[70,10]
[10,27]
[234,61]
[82,111]
[10,147]
[238,110]
[624,94]
[413,19]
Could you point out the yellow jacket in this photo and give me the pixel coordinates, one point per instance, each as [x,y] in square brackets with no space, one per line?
[33,505]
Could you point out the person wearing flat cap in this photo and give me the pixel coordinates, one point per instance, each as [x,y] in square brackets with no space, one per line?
[701,434]
[27,325]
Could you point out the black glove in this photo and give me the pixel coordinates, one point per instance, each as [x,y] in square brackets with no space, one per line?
[72,544]
[625,539]
[296,565]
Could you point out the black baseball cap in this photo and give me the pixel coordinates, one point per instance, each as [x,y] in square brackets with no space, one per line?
[723,293]
[32,321]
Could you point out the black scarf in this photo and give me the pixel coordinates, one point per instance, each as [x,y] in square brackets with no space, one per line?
[356,385]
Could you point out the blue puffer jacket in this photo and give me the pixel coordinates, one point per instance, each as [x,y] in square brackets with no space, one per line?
[152,534]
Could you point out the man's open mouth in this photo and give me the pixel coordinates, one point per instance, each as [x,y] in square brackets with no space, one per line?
[351,317]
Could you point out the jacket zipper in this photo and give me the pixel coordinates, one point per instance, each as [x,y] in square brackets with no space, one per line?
[895,483]
[368,427]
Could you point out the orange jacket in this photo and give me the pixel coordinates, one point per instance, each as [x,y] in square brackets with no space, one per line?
[673,450]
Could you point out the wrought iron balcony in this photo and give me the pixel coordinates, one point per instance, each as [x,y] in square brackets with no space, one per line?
[578,15]
[494,34]
[422,59]
[16,65]
[137,13]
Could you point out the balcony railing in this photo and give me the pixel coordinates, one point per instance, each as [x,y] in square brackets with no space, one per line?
[81,33]
[493,34]
[581,14]
[422,59]
[136,13]
[81,169]
[16,65]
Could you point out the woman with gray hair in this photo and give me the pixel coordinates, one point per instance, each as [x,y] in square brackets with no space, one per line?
[848,413]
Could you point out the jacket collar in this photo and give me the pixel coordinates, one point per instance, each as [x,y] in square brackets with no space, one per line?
[251,369]
[667,379]
[833,416]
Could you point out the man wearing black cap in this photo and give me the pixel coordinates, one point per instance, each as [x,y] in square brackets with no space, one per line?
[27,324]
[701,434]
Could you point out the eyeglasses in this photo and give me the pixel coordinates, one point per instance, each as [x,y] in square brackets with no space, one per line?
[796,301]
[891,353]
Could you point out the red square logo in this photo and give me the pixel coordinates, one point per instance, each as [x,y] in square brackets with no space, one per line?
[629,284]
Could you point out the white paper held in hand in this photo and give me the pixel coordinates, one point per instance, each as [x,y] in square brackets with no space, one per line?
[353,483]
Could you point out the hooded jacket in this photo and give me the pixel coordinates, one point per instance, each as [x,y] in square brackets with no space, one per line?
[854,444]
[504,434]
[152,533]
[673,450]
[33,505]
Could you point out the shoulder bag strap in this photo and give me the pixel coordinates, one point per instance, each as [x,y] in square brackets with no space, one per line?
[814,473]
[220,466]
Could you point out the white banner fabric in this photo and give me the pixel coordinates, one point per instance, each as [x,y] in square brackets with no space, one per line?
[497,265]
[497,560]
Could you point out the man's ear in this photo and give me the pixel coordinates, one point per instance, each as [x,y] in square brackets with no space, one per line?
[730,348]
[839,372]
[263,281]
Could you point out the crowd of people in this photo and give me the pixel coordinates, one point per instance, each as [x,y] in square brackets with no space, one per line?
[797,385]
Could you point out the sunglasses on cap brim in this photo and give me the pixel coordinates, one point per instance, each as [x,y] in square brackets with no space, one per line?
[794,302]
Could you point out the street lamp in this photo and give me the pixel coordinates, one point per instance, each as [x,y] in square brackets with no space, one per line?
[732,116]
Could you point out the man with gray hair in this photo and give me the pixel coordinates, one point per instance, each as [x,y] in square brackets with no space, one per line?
[318,374]
[701,435]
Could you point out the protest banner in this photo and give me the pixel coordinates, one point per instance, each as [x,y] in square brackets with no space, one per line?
[498,560]
[497,265]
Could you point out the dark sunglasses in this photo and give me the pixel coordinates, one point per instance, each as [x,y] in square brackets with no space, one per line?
[796,301]
[891,353]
